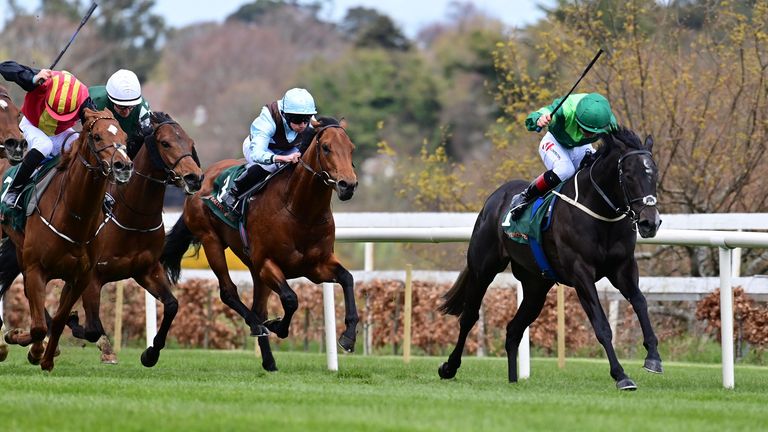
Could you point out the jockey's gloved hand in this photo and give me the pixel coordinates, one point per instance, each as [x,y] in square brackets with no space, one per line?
[146,130]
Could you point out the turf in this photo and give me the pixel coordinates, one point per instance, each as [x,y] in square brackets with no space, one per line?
[193,390]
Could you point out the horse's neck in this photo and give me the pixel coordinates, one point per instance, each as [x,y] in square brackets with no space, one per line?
[82,197]
[606,177]
[308,198]
[141,196]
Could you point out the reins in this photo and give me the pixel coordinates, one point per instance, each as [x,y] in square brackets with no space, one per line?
[626,211]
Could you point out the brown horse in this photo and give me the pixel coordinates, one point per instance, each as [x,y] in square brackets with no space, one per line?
[290,233]
[57,240]
[130,245]
[12,142]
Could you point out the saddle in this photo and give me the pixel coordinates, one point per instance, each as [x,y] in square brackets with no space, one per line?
[536,219]
[40,180]
[224,182]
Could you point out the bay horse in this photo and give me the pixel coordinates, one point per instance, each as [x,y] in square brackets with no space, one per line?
[12,142]
[590,238]
[129,246]
[290,233]
[57,241]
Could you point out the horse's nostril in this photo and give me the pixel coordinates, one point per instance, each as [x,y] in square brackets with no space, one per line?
[343,184]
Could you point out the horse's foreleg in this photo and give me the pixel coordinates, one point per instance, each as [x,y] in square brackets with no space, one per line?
[3,343]
[69,295]
[34,288]
[93,329]
[351,318]
[627,283]
[259,309]
[271,276]
[214,252]
[591,304]
[156,283]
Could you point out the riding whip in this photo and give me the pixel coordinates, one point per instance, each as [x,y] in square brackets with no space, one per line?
[589,66]
[82,23]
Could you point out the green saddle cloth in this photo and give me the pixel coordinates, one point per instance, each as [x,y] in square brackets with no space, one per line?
[224,181]
[529,224]
[17,217]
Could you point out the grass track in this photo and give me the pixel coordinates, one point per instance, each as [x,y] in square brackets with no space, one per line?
[193,390]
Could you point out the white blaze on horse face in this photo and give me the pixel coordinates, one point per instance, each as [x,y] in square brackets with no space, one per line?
[112,129]
[3,104]
[121,149]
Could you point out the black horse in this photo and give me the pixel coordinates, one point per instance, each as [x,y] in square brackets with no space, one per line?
[590,238]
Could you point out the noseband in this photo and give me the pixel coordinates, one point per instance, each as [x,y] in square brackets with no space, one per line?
[323,175]
[647,201]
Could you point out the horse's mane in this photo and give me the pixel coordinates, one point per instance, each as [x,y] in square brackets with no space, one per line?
[323,122]
[623,134]
[159,117]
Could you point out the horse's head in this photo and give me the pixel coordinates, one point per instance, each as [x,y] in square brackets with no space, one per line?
[173,151]
[105,150]
[638,176]
[12,142]
[329,156]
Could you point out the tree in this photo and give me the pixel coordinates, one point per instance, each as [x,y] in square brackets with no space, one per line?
[368,28]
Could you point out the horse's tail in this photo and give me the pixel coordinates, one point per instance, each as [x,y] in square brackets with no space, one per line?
[9,266]
[453,300]
[176,245]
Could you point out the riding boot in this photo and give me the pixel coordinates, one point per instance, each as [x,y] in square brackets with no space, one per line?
[543,184]
[242,183]
[26,168]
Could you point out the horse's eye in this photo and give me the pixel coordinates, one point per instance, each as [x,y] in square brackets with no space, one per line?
[326,148]
[165,144]
[96,137]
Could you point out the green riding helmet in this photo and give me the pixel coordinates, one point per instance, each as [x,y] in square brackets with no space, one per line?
[593,113]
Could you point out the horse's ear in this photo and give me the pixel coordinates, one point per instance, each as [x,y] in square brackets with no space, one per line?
[649,142]
[315,124]
[343,123]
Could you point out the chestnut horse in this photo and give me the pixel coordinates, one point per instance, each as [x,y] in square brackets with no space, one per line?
[590,238]
[290,233]
[130,245]
[12,142]
[58,237]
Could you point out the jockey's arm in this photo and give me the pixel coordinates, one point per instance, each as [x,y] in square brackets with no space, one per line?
[22,75]
[256,148]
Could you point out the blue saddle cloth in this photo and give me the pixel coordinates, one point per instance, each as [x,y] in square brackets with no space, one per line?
[536,219]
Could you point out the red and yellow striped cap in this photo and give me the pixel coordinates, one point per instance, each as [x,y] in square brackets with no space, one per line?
[65,95]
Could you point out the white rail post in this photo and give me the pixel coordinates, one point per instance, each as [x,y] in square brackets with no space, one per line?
[329,311]
[726,316]
[524,350]
[151,314]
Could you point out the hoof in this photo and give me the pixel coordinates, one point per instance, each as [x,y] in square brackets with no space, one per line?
[32,359]
[3,352]
[446,372]
[259,331]
[11,335]
[626,384]
[347,343]
[150,356]
[46,365]
[269,367]
[111,359]
[276,327]
[653,366]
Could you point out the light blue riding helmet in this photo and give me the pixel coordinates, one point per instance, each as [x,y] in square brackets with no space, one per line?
[298,101]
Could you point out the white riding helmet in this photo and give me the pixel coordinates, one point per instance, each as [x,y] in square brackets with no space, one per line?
[298,101]
[123,88]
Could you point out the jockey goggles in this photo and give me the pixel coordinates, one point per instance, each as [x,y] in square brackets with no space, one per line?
[297,118]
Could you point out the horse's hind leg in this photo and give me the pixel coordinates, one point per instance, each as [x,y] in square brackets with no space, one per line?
[535,290]
[271,276]
[156,283]
[474,286]
[629,288]
[3,343]
[214,252]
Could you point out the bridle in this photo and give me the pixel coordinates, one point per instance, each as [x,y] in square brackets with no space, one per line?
[103,168]
[323,175]
[647,201]
[171,177]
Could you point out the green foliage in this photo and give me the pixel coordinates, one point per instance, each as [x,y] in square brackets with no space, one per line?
[259,11]
[385,95]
